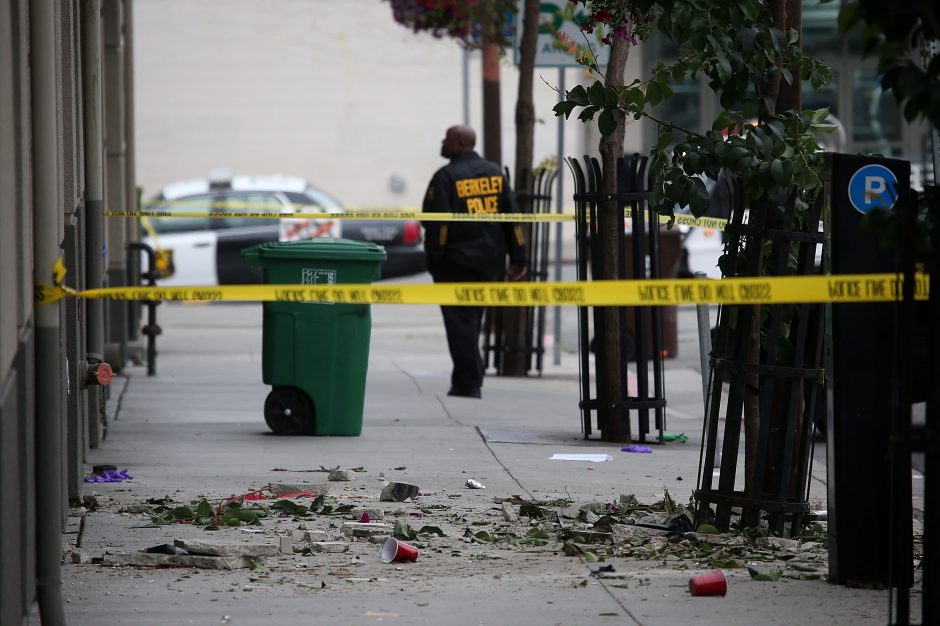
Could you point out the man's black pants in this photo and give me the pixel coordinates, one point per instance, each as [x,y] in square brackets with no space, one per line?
[462,324]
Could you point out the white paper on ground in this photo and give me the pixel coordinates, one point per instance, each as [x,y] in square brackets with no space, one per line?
[593,458]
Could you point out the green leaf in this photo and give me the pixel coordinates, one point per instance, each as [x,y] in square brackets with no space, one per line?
[579,96]
[404,531]
[597,93]
[746,38]
[793,35]
[707,529]
[204,509]
[531,510]
[776,170]
[290,507]
[764,576]
[183,513]
[587,114]
[607,123]
[317,503]
[848,16]
[564,108]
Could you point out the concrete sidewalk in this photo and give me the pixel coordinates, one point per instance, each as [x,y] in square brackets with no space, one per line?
[196,431]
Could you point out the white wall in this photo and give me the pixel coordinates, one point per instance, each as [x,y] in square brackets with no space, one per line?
[335,92]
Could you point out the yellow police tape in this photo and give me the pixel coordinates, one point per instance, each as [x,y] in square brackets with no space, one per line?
[684,220]
[845,288]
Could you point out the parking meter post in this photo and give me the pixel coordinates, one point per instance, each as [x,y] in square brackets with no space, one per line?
[152,329]
[859,381]
[704,339]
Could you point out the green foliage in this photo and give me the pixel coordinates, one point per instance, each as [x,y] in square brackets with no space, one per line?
[736,46]
[405,531]
[895,31]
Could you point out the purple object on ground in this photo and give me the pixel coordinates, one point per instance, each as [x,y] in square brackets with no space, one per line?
[637,449]
[109,476]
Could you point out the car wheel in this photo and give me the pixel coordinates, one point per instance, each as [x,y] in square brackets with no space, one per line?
[288,411]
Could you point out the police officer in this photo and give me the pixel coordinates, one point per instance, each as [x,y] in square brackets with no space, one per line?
[469,251]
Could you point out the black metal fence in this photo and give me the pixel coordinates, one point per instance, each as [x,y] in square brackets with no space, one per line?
[499,348]
[912,319]
[770,357]
[645,348]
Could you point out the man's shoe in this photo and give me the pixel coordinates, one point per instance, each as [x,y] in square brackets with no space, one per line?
[465,393]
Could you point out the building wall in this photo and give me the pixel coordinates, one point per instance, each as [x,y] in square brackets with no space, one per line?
[44,403]
[347,99]
[17,476]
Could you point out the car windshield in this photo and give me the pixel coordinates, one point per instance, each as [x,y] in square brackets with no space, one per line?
[201,203]
[315,197]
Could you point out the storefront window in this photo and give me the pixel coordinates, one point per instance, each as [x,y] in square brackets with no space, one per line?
[875,116]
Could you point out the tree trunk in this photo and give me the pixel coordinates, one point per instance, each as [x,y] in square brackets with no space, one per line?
[786,14]
[515,361]
[614,420]
[492,141]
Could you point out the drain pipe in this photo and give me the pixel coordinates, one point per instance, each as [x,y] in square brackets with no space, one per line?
[94,197]
[47,235]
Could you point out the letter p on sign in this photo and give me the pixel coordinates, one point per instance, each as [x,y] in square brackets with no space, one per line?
[873,187]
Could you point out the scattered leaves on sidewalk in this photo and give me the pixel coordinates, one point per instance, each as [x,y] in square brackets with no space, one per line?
[405,531]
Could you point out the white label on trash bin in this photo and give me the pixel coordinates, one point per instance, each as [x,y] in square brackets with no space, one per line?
[310,276]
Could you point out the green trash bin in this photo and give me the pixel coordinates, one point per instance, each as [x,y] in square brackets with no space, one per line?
[315,355]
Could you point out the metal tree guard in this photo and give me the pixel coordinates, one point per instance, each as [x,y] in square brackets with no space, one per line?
[495,349]
[785,384]
[633,193]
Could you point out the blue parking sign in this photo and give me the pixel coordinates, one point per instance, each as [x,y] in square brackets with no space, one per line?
[873,187]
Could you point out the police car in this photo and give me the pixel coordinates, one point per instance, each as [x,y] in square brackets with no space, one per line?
[207,250]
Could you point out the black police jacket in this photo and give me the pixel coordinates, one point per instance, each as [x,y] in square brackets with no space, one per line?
[470,184]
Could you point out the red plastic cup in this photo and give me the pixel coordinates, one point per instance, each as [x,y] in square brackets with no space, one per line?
[710,584]
[395,550]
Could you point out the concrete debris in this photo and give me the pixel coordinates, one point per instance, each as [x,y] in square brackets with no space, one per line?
[473,483]
[249,550]
[715,540]
[358,529]
[372,512]
[398,492]
[81,556]
[329,547]
[587,535]
[316,490]
[628,531]
[510,512]
[598,508]
[378,539]
[136,509]
[629,500]
[778,543]
[286,544]
[590,517]
[570,512]
[297,535]
[146,559]
[341,475]
[315,535]
[681,520]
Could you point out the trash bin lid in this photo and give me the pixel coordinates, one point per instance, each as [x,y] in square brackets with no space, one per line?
[322,249]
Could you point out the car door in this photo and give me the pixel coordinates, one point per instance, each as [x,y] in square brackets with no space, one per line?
[236,233]
[189,241]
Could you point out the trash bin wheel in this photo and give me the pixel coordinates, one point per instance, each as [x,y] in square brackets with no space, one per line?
[288,411]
